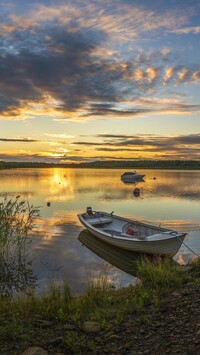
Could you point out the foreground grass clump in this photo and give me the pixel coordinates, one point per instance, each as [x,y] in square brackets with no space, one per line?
[58,305]
[157,280]
[195,268]
[17,219]
[162,277]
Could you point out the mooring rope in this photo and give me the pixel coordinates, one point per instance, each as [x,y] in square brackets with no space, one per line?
[188,247]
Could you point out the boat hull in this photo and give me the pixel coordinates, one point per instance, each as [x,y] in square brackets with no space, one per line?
[132,178]
[166,246]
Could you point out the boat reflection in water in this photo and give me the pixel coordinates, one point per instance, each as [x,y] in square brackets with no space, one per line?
[133,182]
[124,260]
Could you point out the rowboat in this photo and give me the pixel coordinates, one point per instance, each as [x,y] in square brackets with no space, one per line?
[130,234]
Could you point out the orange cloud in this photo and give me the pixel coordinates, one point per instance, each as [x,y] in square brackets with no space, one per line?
[186,30]
[169,72]
[182,76]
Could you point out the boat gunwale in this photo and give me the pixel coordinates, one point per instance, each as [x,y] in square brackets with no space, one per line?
[125,237]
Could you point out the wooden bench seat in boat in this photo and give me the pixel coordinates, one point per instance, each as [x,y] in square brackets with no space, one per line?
[95,219]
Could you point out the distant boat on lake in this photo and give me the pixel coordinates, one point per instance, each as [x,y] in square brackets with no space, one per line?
[132,176]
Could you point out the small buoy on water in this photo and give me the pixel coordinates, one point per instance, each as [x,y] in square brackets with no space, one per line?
[136,192]
[48,204]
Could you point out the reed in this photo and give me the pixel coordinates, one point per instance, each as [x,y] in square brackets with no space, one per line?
[17,219]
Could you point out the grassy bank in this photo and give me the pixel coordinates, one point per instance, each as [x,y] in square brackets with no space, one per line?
[101,303]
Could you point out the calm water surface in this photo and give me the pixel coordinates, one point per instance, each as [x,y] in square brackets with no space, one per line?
[64,251]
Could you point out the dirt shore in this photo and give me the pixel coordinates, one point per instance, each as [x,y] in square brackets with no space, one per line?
[171,328]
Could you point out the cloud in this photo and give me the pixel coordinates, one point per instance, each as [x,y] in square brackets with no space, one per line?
[31,140]
[187,146]
[165,51]
[123,21]
[56,159]
[64,76]
[152,74]
[183,75]
[147,139]
[187,30]
[25,140]
[140,146]
[27,157]
[50,63]
[169,72]
[196,75]
[59,135]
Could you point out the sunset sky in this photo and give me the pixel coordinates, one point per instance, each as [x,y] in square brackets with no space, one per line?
[96,80]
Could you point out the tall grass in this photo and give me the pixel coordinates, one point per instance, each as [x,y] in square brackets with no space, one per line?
[17,219]
[162,277]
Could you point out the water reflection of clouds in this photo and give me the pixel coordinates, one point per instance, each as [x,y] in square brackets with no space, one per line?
[190,249]
[61,256]
[177,185]
[158,188]
[62,223]
[180,225]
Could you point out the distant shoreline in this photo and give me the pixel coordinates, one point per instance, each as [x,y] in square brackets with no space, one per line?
[111,164]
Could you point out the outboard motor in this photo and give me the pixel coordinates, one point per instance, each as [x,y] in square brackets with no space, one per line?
[89,210]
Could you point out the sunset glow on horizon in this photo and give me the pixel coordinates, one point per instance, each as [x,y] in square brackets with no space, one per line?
[84,81]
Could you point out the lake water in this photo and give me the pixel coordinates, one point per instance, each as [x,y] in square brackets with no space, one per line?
[64,252]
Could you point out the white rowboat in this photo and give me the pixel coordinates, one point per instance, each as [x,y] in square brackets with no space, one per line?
[130,176]
[130,234]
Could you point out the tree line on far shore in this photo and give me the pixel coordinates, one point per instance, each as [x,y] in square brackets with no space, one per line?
[110,164]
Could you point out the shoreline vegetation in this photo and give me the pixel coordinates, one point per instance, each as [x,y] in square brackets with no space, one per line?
[110,164]
[159,314]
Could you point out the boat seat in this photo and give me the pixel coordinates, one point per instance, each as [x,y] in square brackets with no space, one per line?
[99,220]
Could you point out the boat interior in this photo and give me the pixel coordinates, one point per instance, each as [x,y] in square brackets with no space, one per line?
[120,227]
